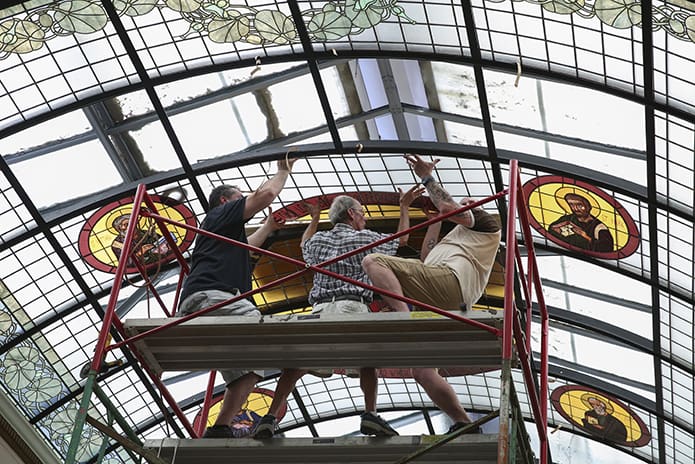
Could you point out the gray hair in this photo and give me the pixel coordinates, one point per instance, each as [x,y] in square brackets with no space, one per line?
[338,212]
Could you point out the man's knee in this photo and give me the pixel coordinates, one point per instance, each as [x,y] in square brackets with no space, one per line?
[367,262]
[251,378]
[293,374]
[424,375]
[372,260]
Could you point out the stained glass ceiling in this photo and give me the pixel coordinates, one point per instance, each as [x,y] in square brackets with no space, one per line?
[97,97]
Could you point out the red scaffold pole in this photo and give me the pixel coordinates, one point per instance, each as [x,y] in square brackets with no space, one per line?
[509,265]
[512,326]
[111,319]
[542,420]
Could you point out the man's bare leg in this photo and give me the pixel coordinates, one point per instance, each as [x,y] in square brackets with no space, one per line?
[370,422]
[369,385]
[265,428]
[384,277]
[286,383]
[234,397]
[441,393]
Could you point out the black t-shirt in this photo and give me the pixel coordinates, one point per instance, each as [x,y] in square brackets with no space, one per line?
[216,265]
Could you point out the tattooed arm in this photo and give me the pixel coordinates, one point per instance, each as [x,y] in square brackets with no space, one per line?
[440,197]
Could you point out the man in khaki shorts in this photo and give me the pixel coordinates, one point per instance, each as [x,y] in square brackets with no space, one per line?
[453,272]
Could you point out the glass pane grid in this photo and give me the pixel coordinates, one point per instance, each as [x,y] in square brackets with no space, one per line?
[673,56]
[565,41]
[66,67]
[676,253]
[676,327]
[72,54]
[40,284]
[178,38]
[415,26]
[678,393]
[14,215]
[675,166]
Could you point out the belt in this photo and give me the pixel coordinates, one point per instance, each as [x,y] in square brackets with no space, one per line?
[361,299]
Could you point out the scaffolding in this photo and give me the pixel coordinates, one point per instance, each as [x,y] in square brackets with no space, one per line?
[522,283]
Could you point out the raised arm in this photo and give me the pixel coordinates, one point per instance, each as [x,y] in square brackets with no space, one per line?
[405,199]
[440,197]
[315,212]
[268,227]
[269,190]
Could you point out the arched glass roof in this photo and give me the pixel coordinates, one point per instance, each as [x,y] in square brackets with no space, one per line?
[594,97]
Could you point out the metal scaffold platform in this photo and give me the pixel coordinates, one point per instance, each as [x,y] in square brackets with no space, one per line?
[475,340]
[466,449]
[415,339]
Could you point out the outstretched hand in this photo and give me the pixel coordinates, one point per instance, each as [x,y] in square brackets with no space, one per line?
[407,198]
[421,167]
[285,164]
[313,209]
[272,223]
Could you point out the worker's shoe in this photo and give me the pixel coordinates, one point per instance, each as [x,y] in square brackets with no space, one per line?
[219,431]
[460,425]
[266,427]
[372,424]
[322,373]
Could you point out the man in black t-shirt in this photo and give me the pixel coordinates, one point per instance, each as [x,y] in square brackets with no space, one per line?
[220,271]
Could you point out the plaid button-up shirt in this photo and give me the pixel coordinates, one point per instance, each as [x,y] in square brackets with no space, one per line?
[341,239]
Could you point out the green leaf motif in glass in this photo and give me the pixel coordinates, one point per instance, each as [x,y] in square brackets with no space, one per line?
[274,26]
[621,14]
[80,16]
[184,6]
[135,7]
[563,6]
[18,36]
[329,25]
[230,30]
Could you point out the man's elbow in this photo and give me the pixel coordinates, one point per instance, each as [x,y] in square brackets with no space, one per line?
[463,218]
[266,197]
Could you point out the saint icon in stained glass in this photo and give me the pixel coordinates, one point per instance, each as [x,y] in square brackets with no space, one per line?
[102,237]
[580,217]
[579,227]
[601,415]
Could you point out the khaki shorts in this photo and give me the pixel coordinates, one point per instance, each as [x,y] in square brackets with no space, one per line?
[434,285]
[340,307]
[243,307]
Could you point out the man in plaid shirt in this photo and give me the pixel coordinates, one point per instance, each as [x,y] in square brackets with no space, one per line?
[331,295]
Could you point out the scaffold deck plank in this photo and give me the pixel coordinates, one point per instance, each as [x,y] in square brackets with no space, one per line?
[465,449]
[417,339]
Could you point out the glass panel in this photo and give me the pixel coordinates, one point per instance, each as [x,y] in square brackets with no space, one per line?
[456,89]
[58,128]
[152,149]
[231,125]
[60,175]
[562,109]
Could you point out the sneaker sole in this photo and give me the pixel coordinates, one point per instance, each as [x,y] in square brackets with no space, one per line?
[377,431]
[263,434]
